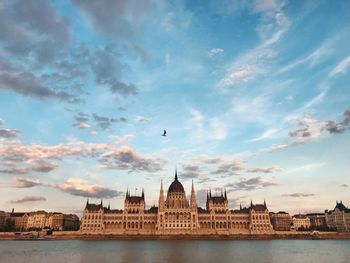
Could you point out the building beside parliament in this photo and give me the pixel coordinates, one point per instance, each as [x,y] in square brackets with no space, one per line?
[176,215]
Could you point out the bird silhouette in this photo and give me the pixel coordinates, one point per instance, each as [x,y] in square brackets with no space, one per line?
[164,133]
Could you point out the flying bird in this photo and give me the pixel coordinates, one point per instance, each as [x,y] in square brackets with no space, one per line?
[164,133]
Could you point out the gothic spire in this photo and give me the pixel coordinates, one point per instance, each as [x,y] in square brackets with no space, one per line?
[193,198]
[176,174]
[161,197]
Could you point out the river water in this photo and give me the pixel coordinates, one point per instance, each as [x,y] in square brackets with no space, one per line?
[214,251]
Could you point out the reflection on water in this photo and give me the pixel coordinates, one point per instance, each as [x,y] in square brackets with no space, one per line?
[217,251]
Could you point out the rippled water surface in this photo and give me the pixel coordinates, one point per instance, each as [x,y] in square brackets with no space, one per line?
[308,251]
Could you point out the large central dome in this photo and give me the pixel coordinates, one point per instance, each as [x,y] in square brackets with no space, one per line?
[176,186]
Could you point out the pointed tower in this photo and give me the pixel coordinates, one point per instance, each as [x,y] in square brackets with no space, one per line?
[161,197]
[109,206]
[176,174]
[143,194]
[193,202]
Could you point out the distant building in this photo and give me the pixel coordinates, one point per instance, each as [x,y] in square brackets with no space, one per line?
[41,219]
[317,221]
[62,222]
[3,216]
[339,217]
[20,220]
[176,215]
[37,220]
[301,222]
[281,221]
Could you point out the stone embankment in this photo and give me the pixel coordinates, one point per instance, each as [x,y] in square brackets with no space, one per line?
[71,235]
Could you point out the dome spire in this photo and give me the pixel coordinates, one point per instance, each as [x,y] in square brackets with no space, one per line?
[176,174]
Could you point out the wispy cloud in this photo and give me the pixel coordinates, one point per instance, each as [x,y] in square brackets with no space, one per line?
[126,158]
[216,52]
[8,133]
[265,170]
[307,167]
[251,184]
[341,67]
[21,182]
[79,187]
[298,195]
[28,199]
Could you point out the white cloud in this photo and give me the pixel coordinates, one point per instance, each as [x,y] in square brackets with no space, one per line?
[215,52]
[237,76]
[266,135]
[265,5]
[307,167]
[84,126]
[219,129]
[93,133]
[341,67]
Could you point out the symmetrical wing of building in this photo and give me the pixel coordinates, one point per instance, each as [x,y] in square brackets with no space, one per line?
[176,215]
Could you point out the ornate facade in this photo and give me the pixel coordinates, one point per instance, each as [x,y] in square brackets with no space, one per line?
[175,215]
[339,217]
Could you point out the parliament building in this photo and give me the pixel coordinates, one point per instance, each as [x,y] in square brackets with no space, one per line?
[175,215]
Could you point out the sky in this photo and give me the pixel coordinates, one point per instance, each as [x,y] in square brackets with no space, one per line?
[254,96]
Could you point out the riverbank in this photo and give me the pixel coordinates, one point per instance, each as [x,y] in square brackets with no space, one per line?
[74,235]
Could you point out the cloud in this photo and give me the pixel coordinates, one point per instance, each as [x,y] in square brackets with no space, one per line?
[273,26]
[237,76]
[84,126]
[275,147]
[28,199]
[261,6]
[107,69]
[79,187]
[7,133]
[40,166]
[81,121]
[104,122]
[310,128]
[93,133]
[20,158]
[81,117]
[229,167]
[266,135]
[33,27]
[297,195]
[27,84]
[341,67]
[190,171]
[307,167]
[142,119]
[20,182]
[251,184]
[215,52]
[125,158]
[271,169]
